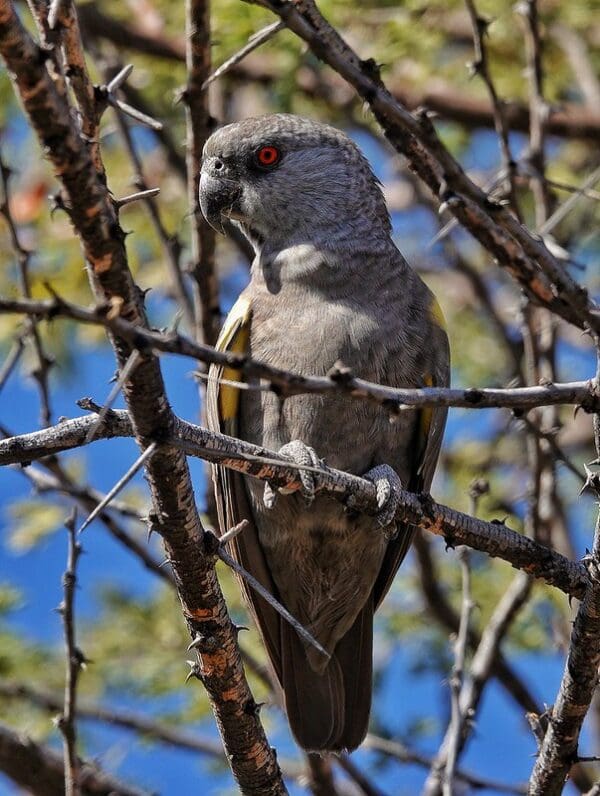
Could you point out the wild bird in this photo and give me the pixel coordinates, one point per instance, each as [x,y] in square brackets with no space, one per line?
[327,285]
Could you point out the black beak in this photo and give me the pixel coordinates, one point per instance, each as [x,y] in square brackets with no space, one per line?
[218,196]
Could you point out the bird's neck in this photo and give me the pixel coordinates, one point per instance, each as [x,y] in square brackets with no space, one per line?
[355,235]
[330,259]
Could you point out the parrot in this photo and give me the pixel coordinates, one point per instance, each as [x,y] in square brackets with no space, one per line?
[328,288]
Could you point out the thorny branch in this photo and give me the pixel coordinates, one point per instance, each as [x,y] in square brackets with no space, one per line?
[93,215]
[559,746]
[41,771]
[457,674]
[43,361]
[74,662]
[199,126]
[494,538]
[570,120]
[340,380]
[524,255]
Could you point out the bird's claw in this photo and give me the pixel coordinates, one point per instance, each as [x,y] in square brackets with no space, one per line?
[388,485]
[302,455]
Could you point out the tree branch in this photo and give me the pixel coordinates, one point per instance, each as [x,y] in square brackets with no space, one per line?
[199,127]
[74,662]
[569,120]
[93,215]
[40,770]
[494,538]
[285,383]
[524,255]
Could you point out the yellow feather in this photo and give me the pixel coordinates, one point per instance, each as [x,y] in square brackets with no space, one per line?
[427,411]
[426,416]
[234,337]
[436,314]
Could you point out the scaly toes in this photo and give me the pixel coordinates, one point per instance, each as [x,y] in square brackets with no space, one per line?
[303,456]
[388,485]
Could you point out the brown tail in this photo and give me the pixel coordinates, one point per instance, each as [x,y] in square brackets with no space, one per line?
[329,711]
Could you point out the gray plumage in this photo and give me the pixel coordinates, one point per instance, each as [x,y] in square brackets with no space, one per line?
[327,285]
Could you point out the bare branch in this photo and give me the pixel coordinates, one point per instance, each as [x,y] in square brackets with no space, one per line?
[127,720]
[74,662]
[93,215]
[268,597]
[338,381]
[440,609]
[23,257]
[456,676]
[199,127]
[397,750]
[121,483]
[524,255]
[40,770]
[480,671]
[254,41]
[494,538]
[480,67]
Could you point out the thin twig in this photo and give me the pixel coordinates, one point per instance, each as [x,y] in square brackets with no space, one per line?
[494,538]
[199,126]
[171,245]
[339,381]
[562,210]
[456,676]
[148,193]
[23,257]
[74,662]
[254,41]
[480,66]
[124,374]
[12,358]
[121,483]
[399,751]
[273,602]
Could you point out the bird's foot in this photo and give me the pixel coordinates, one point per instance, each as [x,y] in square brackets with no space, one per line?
[388,485]
[304,456]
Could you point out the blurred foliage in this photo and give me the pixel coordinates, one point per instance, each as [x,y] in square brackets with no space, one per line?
[135,644]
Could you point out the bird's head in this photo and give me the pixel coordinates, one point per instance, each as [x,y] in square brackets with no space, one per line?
[285,179]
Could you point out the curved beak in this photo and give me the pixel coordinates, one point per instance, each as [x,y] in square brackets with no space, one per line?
[217,198]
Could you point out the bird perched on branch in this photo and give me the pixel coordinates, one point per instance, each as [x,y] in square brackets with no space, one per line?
[328,286]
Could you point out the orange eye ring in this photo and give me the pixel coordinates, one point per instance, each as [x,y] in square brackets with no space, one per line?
[268,156]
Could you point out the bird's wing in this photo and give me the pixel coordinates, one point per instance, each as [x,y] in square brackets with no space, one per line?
[222,407]
[429,430]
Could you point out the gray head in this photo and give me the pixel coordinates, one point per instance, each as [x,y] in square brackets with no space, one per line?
[286,180]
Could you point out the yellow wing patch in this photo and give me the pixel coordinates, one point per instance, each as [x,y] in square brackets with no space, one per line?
[436,315]
[425,420]
[427,411]
[234,337]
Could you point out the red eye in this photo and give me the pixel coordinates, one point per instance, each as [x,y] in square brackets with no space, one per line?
[268,156]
